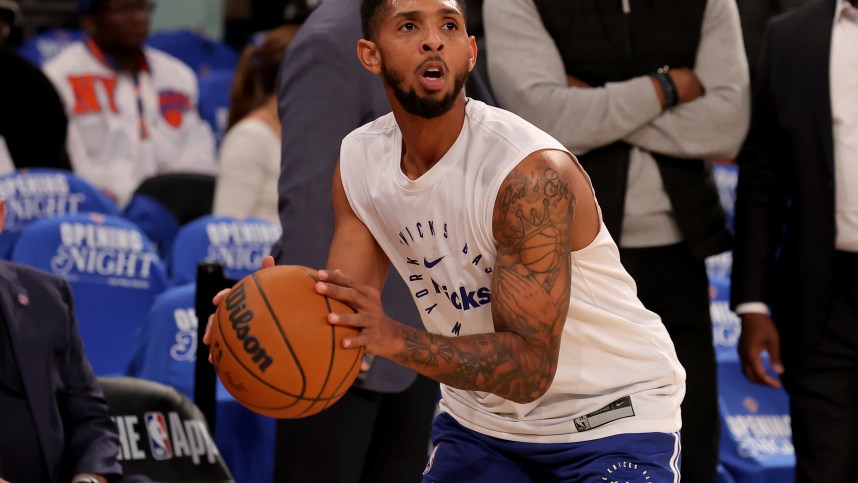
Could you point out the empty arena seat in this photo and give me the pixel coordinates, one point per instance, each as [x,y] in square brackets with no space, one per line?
[200,53]
[187,196]
[162,434]
[726,325]
[166,347]
[38,193]
[726,178]
[114,274]
[237,244]
[756,437]
[214,100]
[156,221]
[46,45]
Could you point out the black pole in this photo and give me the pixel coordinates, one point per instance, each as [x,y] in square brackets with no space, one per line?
[210,281]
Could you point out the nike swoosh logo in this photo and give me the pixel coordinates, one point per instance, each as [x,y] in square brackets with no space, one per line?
[431,264]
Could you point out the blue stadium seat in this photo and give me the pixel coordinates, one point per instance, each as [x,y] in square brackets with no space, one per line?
[44,46]
[114,273]
[156,221]
[726,178]
[238,245]
[214,100]
[200,53]
[725,324]
[166,348]
[39,193]
[756,438]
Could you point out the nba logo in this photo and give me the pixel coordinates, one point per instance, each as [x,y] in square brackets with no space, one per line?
[159,440]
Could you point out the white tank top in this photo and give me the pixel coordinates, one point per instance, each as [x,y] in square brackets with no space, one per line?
[618,371]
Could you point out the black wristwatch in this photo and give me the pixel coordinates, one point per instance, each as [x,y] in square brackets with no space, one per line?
[671,96]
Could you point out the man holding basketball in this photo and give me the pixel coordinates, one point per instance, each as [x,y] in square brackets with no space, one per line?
[550,367]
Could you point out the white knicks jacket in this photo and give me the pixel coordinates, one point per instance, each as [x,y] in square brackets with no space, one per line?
[123,130]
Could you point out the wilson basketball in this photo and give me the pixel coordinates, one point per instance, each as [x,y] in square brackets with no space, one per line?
[273,348]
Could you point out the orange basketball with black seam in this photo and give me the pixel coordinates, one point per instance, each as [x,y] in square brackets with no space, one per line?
[273,348]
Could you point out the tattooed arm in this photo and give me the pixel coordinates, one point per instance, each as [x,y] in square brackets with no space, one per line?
[532,223]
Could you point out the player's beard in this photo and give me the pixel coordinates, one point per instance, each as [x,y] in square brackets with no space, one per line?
[424,107]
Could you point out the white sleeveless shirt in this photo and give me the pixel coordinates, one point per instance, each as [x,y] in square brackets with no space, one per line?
[617,372]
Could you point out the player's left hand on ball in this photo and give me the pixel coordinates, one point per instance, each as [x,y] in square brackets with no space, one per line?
[267,262]
[378,333]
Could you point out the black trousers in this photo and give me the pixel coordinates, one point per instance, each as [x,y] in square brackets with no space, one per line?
[366,437]
[823,389]
[673,284]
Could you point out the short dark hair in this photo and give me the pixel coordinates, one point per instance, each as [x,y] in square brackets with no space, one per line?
[371,12]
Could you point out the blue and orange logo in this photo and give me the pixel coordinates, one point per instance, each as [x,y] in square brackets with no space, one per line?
[174,105]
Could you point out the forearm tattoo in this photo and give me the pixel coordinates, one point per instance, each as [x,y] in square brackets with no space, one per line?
[530,295]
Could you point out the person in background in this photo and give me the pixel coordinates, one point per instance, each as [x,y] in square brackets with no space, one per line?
[33,122]
[644,92]
[132,109]
[795,265]
[755,16]
[250,152]
[54,422]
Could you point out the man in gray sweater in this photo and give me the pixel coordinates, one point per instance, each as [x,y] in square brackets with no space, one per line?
[644,92]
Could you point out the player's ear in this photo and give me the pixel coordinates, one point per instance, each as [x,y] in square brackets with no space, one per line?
[472,53]
[369,56]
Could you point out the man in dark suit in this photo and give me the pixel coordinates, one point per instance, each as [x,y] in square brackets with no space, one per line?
[795,266]
[379,431]
[54,422]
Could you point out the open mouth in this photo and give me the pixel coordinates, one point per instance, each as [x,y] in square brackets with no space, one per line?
[432,78]
[433,73]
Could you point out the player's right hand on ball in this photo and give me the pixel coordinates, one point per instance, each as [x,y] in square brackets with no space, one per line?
[267,262]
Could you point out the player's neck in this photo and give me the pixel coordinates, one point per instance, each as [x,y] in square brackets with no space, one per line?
[127,59]
[425,141]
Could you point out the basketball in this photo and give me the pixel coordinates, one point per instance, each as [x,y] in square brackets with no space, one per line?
[273,348]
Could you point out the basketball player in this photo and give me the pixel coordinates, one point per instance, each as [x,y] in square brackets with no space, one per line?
[550,367]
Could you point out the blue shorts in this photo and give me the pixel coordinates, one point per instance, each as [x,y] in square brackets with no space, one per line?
[464,456]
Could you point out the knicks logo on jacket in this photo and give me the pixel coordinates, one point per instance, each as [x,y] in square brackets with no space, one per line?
[174,105]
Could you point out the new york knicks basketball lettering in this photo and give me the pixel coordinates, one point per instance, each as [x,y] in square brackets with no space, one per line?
[436,245]
[240,318]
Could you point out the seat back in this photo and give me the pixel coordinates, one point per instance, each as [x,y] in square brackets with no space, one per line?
[156,221]
[187,196]
[200,53]
[38,193]
[166,347]
[214,100]
[237,244]
[162,434]
[113,271]
[44,46]
[756,437]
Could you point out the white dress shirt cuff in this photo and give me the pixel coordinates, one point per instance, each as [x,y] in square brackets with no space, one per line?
[752,308]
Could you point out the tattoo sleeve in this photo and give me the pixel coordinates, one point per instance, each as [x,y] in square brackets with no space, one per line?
[532,223]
